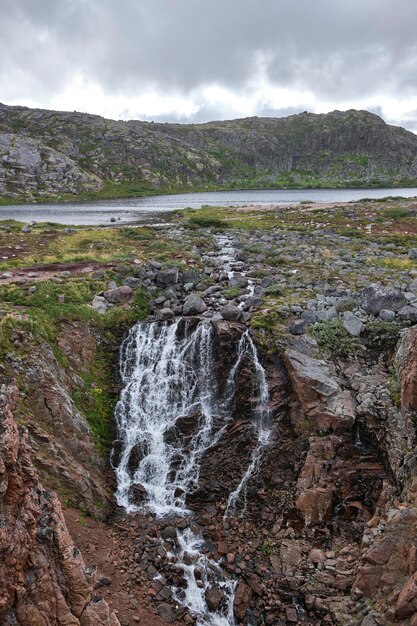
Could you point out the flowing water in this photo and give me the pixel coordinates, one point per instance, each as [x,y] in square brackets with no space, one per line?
[169,381]
[171,411]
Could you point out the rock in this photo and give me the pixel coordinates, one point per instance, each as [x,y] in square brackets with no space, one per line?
[169,532]
[166,313]
[69,231]
[352,324]
[97,275]
[376,297]
[327,315]
[112,219]
[242,599]
[406,361]
[214,597]
[166,612]
[194,305]
[238,280]
[40,569]
[408,313]
[118,295]
[26,229]
[291,615]
[231,313]
[100,304]
[166,278]
[407,600]
[387,315]
[297,327]
[32,289]
[316,556]
[132,282]
[412,253]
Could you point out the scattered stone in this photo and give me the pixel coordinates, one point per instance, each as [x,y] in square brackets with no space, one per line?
[100,304]
[297,327]
[194,305]
[231,313]
[119,294]
[166,612]
[387,315]
[352,324]
[376,297]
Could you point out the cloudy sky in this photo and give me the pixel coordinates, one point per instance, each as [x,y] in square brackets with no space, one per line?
[198,60]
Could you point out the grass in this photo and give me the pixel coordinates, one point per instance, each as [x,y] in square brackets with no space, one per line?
[396,213]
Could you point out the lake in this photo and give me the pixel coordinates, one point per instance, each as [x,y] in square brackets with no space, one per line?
[157,208]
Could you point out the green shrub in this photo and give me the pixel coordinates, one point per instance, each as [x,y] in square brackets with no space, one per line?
[274,290]
[333,337]
[207,222]
[396,212]
[381,335]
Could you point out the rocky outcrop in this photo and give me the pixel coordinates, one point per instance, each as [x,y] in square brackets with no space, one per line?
[43,579]
[407,364]
[47,153]
[63,448]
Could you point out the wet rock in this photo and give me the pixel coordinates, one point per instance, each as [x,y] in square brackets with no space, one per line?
[238,280]
[169,532]
[194,305]
[166,612]
[376,297]
[118,295]
[214,598]
[242,599]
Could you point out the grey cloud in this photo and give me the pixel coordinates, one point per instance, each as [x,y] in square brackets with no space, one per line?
[337,50]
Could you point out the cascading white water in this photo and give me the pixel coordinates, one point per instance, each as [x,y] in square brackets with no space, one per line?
[169,413]
[261,417]
[165,378]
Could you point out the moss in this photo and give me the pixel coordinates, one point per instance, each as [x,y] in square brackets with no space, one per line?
[207,222]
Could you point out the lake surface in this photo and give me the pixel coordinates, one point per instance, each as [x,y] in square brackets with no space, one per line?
[157,208]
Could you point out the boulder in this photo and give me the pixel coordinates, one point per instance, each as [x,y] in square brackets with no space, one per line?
[352,324]
[118,295]
[194,305]
[242,599]
[231,313]
[214,597]
[100,304]
[166,278]
[376,297]
[238,280]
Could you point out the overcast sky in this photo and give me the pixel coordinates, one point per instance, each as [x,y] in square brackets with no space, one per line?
[198,60]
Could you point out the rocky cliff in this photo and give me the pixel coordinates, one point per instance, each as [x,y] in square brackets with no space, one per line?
[50,154]
[44,580]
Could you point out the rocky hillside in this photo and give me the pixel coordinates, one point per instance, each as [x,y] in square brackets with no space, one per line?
[326,533]
[51,154]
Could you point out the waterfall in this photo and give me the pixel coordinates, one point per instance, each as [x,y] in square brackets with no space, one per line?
[169,414]
[261,422]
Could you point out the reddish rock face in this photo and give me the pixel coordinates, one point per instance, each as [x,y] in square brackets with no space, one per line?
[42,573]
[407,360]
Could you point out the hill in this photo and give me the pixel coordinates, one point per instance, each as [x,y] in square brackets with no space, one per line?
[52,155]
